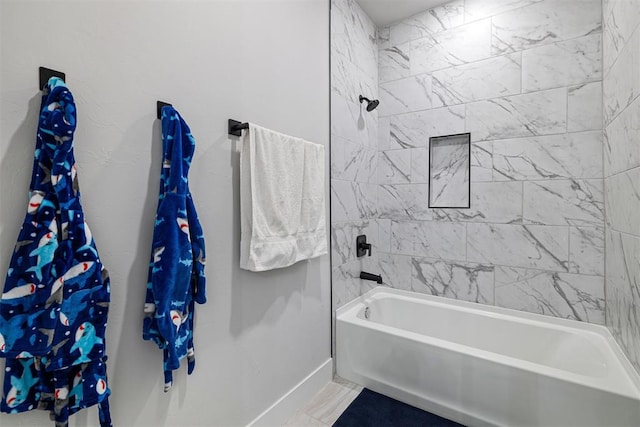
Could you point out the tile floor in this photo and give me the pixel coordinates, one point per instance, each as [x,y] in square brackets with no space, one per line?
[327,406]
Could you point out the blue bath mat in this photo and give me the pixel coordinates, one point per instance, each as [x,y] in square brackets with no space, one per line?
[371,409]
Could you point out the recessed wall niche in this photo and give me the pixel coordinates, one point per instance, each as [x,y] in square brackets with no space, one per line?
[449,171]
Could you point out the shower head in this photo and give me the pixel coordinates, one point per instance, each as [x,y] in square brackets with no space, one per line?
[371,103]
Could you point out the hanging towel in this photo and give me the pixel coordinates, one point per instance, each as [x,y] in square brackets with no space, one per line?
[176,271]
[281,200]
[53,311]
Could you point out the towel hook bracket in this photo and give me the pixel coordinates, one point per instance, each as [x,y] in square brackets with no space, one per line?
[47,73]
[159,106]
[236,127]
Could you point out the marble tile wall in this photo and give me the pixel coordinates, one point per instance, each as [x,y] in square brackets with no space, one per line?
[524,77]
[621,90]
[354,163]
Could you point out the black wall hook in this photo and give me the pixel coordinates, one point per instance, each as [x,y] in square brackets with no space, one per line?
[159,106]
[46,74]
[236,127]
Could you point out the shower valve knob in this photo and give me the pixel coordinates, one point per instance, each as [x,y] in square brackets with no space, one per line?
[362,247]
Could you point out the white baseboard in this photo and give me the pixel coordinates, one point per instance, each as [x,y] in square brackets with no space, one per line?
[284,408]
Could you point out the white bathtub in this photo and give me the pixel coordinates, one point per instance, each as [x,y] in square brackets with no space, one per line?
[486,366]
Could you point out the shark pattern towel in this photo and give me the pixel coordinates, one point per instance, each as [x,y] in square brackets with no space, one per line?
[53,311]
[176,271]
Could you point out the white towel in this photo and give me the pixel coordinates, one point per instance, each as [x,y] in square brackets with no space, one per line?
[281,200]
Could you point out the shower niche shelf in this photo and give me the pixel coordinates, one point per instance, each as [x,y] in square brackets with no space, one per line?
[450,171]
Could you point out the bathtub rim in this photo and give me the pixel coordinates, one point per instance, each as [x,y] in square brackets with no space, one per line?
[342,314]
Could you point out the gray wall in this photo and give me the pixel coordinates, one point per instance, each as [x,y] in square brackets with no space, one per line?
[262,61]
[622,171]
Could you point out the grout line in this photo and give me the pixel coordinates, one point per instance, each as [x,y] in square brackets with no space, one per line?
[489,264]
[528,224]
[619,54]
[636,236]
[623,172]
[452,106]
[509,138]
[487,58]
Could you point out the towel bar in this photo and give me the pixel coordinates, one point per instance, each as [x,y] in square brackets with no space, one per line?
[47,73]
[236,127]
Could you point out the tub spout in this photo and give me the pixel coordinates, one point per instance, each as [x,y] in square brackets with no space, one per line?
[373,277]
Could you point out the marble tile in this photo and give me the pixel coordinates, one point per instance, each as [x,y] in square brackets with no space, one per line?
[332,401]
[341,46]
[343,202]
[569,296]
[352,201]
[443,240]
[352,161]
[337,157]
[449,168]
[349,81]
[343,239]
[577,202]
[620,19]
[584,110]
[538,113]
[342,71]
[345,282]
[405,95]
[621,85]
[396,271]
[370,131]
[384,133]
[394,167]
[622,198]
[384,41]
[355,34]
[519,246]
[586,250]
[394,63]
[460,45]
[435,239]
[384,235]
[414,129]
[338,18]
[341,249]
[419,165]
[622,141]
[482,161]
[491,202]
[545,22]
[350,121]
[623,292]
[572,155]
[361,164]
[469,82]
[403,237]
[369,199]
[408,201]
[479,9]
[458,280]
[570,62]
[427,23]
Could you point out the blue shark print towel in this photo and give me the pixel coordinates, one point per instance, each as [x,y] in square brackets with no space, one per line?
[53,311]
[176,271]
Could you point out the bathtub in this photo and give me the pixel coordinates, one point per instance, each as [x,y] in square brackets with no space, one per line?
[485,366]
